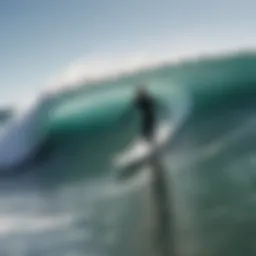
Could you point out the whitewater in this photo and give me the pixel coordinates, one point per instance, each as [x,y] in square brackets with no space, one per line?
[58,190]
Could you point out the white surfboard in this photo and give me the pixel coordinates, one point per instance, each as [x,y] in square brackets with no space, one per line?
[141,149]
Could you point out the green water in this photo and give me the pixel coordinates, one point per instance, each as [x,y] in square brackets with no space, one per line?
[210,163]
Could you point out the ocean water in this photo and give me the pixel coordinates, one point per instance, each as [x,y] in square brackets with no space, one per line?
[67,200]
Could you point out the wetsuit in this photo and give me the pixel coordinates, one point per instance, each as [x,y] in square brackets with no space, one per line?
[146,106]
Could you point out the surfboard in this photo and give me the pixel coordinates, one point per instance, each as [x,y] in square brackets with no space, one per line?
[141,150]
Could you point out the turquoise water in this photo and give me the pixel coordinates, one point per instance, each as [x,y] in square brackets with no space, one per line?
[68,202]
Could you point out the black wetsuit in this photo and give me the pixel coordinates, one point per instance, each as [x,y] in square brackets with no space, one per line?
[146,106]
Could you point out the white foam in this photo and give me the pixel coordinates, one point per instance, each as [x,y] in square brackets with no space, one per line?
[12,223]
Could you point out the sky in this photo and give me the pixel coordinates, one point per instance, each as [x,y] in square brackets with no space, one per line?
[50,42]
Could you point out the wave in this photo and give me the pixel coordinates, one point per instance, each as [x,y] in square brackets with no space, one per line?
[196,86]
[211,105]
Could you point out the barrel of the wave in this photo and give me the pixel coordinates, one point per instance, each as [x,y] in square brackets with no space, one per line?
[94,113]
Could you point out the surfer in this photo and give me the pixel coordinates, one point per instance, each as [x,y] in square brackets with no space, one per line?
[145,103]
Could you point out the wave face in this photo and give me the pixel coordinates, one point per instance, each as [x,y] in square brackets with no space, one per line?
[68,198]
